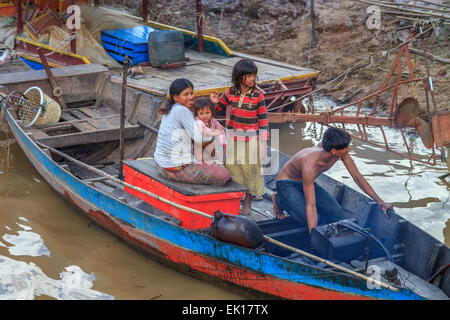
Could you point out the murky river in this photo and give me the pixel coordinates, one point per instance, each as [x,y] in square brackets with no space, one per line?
[49,251]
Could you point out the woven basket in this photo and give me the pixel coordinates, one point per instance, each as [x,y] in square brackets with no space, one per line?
[38,108]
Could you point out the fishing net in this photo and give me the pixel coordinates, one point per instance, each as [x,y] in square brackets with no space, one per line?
[37,108]
[97,19]
[87,46]
[93,21]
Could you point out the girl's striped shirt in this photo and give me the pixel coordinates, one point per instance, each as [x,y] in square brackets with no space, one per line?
[248,114]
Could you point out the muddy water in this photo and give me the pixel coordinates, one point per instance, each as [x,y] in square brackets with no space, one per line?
[49,251]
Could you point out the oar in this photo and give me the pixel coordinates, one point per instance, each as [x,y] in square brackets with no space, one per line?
[205,215]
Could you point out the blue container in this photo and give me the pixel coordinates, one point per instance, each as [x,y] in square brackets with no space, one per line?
[165,46]
[131,42]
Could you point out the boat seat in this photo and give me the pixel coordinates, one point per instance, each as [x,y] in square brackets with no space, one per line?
[85,131]
[149,168]
[145,174]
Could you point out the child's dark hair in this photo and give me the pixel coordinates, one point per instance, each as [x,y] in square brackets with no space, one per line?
[202,103]
[177,86]
[240,69]
[335,138]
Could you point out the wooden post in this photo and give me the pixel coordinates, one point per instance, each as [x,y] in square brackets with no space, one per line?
[51,79]
[200,26]
[19,16]
[145,10]
[122,116]
[312,39]
[73,42]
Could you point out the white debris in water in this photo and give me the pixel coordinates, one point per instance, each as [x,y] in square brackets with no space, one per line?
[24,227]
[24,281]
[26,243]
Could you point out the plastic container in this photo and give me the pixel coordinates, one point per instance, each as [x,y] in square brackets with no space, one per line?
[165,47]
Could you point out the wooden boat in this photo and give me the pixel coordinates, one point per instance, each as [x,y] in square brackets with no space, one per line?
[27,50]
[411,264]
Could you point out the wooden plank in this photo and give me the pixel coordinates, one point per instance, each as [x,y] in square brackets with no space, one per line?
[38,133]
[80,138]
[56,126]
[68,124]
[90,111]
[78,114]
[105,84]
[84,126]
[66,116]
[272,62]
[106,122]
[37,75]
[136,107]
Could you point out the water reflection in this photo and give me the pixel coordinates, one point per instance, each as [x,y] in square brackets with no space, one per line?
[24,281]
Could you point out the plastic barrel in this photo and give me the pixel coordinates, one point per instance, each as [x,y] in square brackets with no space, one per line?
[165,47]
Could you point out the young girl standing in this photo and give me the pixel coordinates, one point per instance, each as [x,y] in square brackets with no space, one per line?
[247,130]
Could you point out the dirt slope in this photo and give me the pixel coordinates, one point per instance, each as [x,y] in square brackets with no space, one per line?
[280,30]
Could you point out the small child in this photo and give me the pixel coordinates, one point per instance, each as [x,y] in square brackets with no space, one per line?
[209,127]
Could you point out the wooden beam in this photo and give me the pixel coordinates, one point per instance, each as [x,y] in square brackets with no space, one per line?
[80,138]
[136,107]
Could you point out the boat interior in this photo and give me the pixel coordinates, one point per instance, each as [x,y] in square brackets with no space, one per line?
[89,131]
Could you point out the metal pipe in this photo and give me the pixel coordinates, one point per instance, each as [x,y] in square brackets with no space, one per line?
[73,42]
[51,79]
[145,10]
[201,47]
[19,16]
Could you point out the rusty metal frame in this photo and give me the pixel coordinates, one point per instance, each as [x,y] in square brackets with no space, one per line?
[361,121]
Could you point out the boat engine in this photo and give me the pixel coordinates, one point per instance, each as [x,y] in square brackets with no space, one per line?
[335,241]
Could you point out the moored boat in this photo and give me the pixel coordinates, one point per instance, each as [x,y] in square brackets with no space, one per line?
[78,156]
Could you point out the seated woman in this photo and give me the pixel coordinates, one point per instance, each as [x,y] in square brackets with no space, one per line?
[178,129]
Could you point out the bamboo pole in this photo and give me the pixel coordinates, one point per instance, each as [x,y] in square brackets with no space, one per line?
[430,14]
[431,56]
[406,13]
[203,214]
[122,116]
[412,6]
[435,4]
[419,20]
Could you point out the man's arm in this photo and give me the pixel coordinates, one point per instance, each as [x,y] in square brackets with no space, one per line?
[363,184]
[310,196]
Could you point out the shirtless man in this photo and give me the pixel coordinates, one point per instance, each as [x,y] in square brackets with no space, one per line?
[301,197]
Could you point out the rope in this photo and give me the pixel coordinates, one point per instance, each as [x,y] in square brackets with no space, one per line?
[62,44]
[203,214]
